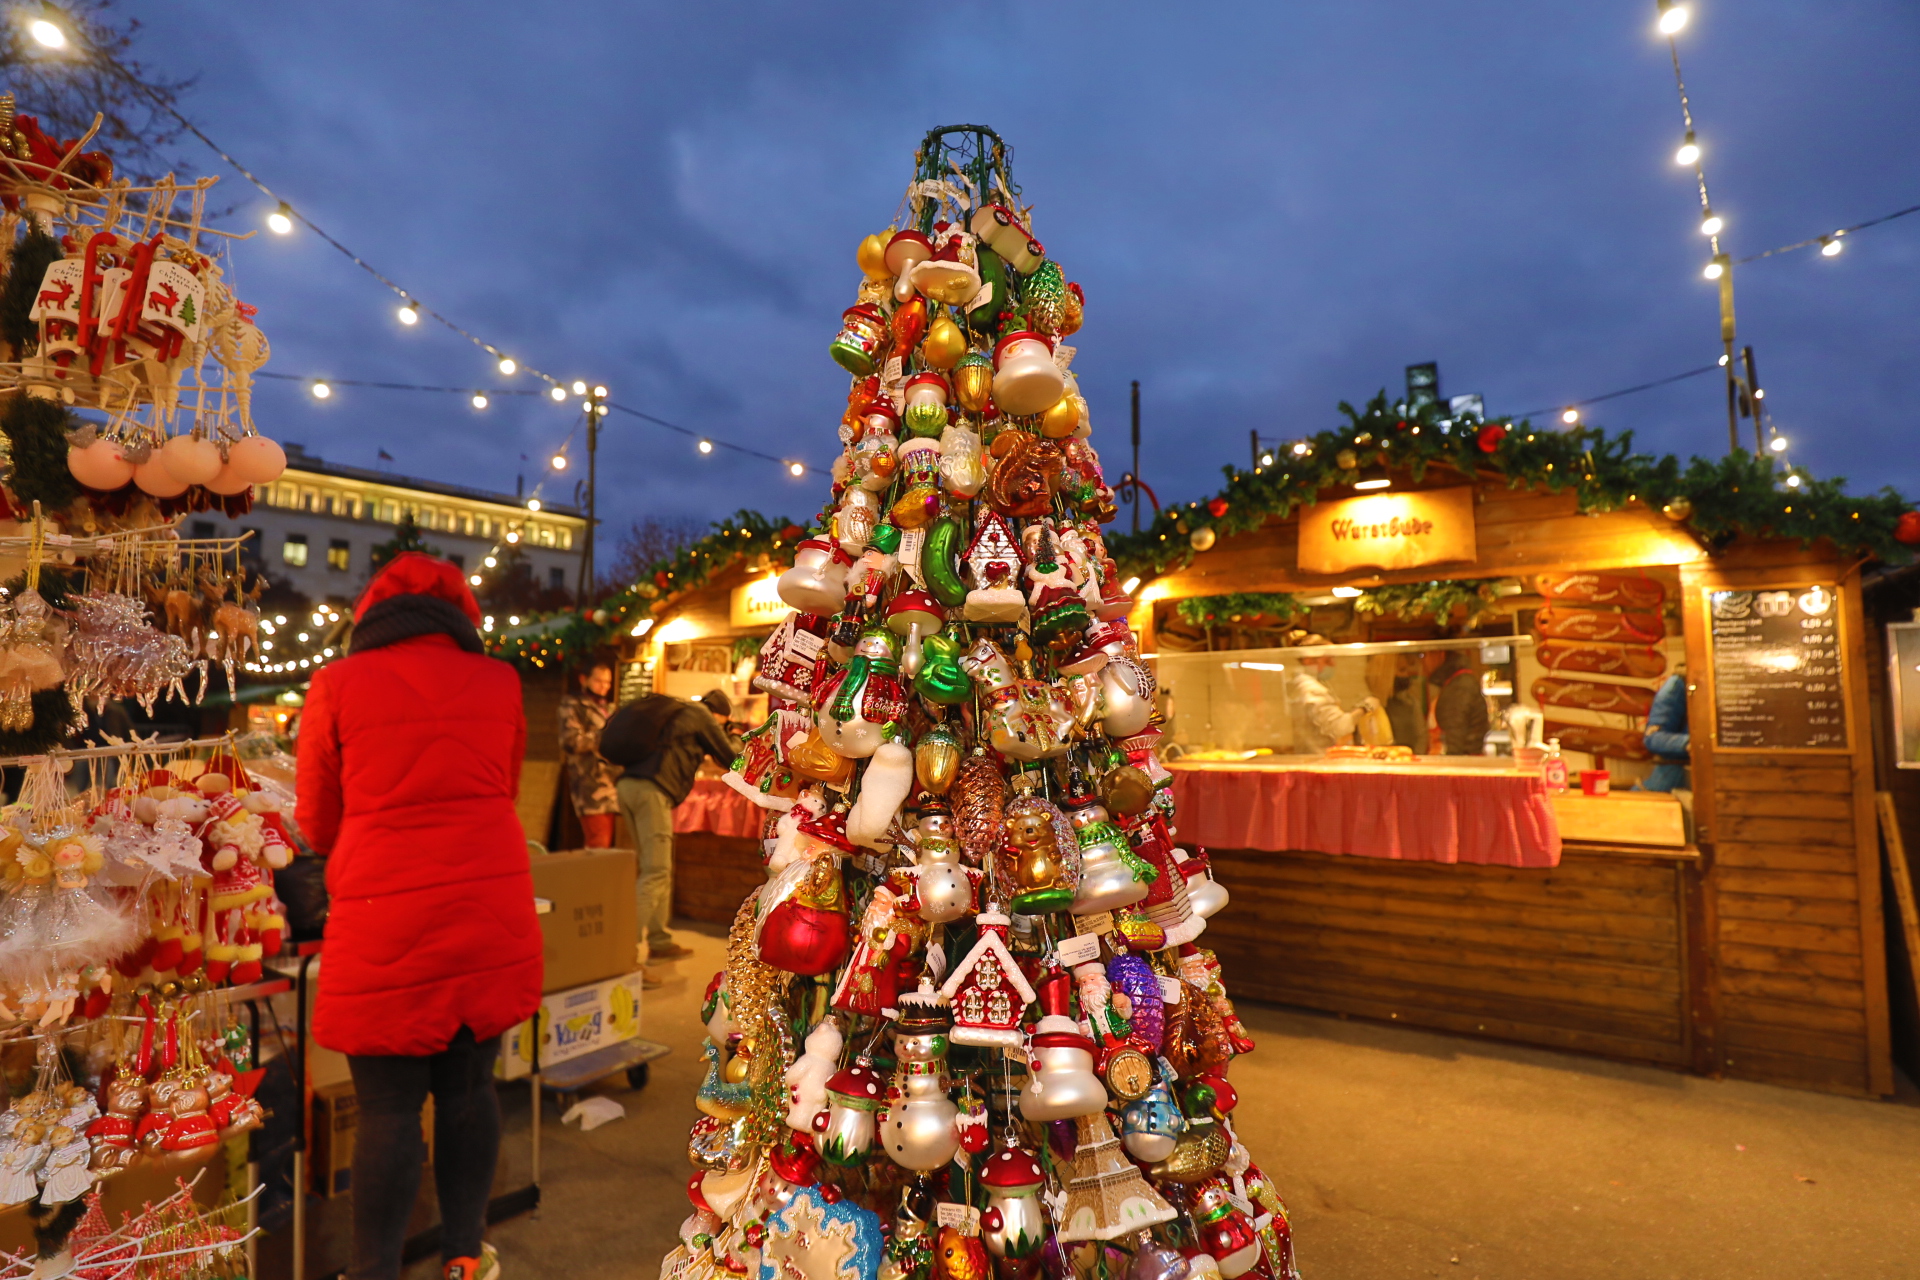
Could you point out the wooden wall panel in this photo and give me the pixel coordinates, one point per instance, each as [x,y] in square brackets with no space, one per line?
[713,874]
[1586,957]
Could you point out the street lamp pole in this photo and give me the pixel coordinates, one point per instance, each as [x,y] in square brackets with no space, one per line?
[595,410]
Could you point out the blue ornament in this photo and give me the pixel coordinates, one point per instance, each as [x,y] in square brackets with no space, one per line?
[810,1239]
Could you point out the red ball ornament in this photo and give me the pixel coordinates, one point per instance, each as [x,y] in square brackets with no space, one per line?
[1491,436]
[1217,507]
[1907,530]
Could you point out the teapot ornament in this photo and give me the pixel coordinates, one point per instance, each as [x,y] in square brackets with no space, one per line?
[817,582]
[919,1130]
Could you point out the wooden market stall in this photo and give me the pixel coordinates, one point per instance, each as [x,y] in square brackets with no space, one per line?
[701,639]
[1737,931]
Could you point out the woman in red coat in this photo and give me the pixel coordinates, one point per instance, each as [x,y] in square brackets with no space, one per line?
[409,763]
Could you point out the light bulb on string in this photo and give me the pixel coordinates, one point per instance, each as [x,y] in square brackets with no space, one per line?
[533,504]
[508,366]
[280,221]
[320,390]
[579,387]
[1830,246]
[559,393]
[1570,415]
[706,446]
[46,32]
[586,406]
[1712,224]
[1301,449]
[1714,270]
[603,409]
[559,462]
[1793,482]
[1673,18]
[479,400]
[473,579]
[409,313]
[1689,152]
[599,393]
[490,562]
[796,468]
[1779,444]
[1266,459]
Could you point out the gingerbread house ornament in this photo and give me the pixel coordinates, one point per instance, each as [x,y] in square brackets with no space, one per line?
[994,562]
[987,991]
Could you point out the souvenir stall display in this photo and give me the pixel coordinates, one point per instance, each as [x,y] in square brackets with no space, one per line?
[126,383]
[967,1024]
[1517,734]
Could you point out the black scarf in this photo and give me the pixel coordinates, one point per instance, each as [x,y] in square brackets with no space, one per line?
[403,617]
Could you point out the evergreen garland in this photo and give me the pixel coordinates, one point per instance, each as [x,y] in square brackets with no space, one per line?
[36,432]
[1720,499]
[31,257]
[559,638]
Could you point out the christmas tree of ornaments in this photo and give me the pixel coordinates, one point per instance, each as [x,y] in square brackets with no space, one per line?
[966,1028]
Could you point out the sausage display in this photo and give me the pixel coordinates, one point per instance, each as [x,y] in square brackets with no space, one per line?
[1559,622]
[1639,661]
[1588,695]
[1618,744]
[1625,591]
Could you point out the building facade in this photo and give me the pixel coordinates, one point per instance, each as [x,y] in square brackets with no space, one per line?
[315,527]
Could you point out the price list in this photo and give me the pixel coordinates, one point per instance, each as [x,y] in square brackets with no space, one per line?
[1776,669]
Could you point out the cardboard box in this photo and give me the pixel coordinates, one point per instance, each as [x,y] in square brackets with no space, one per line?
[591,931]
[336,1121]
[572,1023]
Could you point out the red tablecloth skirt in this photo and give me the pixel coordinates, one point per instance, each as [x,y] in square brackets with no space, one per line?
[714,806]
[1497,819]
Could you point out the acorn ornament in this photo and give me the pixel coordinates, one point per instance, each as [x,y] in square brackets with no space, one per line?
[973,381]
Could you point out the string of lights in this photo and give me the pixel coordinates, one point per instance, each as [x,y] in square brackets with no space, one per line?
[322,389]
[1832,242]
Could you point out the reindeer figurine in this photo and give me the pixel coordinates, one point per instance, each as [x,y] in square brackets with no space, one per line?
[235,627]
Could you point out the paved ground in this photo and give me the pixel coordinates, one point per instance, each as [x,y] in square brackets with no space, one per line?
[1402,1154]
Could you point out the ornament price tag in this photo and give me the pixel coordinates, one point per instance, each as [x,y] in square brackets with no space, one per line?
[1170,989]
[1241,1203]
[962,1217]
[805,644]
[1083,949]
[1098,923]
[911,543]
[870,863]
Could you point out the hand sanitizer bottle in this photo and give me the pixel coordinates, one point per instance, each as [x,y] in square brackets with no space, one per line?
[1553,768]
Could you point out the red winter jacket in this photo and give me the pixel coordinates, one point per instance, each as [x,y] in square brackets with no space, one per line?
[409,765]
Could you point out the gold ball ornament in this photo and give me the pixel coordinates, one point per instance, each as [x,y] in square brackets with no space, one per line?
[1677,510]
[1346,459]
[1062,420]
[973,381]
[872,257]
[944,344]
[1203,539]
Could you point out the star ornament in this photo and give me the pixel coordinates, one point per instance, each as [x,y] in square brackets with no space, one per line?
[813,1240]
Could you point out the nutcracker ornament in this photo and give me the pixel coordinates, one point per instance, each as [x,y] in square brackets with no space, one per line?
[968,1002]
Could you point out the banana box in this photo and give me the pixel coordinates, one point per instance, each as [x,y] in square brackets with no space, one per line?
[571,1023]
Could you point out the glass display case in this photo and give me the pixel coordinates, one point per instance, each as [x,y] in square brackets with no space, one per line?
[1459,698]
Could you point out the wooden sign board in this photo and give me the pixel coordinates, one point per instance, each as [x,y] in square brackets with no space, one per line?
[758,603]
[1777,655]
[1388,531]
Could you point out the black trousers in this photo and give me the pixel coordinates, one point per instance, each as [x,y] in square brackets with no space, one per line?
[388,1150]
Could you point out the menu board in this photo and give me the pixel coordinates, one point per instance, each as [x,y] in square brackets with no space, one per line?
[1776,669]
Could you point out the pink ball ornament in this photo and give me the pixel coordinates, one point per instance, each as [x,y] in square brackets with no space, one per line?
[257,458]
[153,478]
[191,460]
[99,465]
[229,482]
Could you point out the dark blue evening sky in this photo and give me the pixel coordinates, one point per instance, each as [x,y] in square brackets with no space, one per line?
[1271,207]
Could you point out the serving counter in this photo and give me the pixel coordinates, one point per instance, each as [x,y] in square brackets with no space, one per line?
[1415,812]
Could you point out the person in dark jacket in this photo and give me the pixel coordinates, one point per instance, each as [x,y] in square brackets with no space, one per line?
[1667,738]
[408,766]
[1459,708]
[660,741]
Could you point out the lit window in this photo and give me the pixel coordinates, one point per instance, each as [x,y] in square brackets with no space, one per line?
[294,550]
[546,536]
[309,500]
[566,539]
[466,524]
[339,555]
[388,512]
[486,526]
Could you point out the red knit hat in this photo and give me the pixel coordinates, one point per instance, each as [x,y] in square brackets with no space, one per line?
[413,573]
